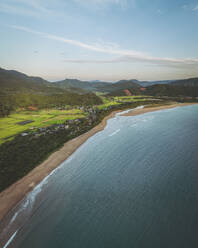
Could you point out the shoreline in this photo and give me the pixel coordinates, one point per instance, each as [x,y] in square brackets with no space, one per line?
[157,108]
[11,196]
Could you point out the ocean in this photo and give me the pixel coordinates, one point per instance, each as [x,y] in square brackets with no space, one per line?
[133,185]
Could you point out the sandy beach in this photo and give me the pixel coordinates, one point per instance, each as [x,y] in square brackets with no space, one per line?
[16,192]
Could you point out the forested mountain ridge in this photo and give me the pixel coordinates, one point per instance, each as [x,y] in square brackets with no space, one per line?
[12,82]
[18,90]
[192,82]
[172,90]
[103,87]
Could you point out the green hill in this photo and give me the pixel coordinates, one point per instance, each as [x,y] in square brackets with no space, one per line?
[102,87]
[172,90]
[18,90]
[13,81]
[191,82]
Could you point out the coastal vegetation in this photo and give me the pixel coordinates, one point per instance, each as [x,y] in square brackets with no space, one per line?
[29,136]
[37,117]
[30,118]
[27,120]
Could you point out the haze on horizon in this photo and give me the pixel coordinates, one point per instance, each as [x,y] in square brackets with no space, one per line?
[100,39]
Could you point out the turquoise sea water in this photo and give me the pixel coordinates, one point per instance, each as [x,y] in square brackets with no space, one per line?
[133,185]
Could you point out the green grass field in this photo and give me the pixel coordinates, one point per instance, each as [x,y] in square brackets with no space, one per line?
[131,98]
[107,103]
[9,126]
[117,100]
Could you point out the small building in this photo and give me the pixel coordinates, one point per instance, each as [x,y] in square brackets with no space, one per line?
[24,134]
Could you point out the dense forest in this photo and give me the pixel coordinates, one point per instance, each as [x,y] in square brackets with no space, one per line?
[172,90]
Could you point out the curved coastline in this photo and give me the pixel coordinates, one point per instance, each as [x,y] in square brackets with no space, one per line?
[10,197]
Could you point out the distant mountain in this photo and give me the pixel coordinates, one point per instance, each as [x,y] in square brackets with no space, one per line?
[150,83]
[75,84]
[103,87]
[172,90]
[125,84]
[14,81]
[18,90]
[97,81]
[12,74]
[182,82]
[192,82]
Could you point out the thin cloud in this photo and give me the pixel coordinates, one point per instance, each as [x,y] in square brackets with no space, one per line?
[113,49]
[190,7]
[121,3]
[23,7]
[107,48]
[159,12]
[36,4]
[129,59]
[100,1]
[196,8]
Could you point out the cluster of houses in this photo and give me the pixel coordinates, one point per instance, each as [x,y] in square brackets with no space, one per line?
[72,125]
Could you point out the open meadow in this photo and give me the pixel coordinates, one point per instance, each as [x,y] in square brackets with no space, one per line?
[30,120]
[22,121]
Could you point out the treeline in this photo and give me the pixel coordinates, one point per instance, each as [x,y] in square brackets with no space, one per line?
[9,103]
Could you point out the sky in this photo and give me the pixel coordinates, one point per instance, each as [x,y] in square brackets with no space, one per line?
[106,40]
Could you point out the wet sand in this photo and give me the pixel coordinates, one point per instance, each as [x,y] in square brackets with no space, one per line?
[16,192]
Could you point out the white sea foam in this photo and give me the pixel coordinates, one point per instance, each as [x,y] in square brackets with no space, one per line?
[30,199]
[137,120]
[69,159]
[148,118]
[28,202]
[10,240]
[117,131]
[14,217]
[126,111]
[140,107]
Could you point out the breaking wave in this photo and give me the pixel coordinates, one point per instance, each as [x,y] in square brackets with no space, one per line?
[117,131]
[10,239]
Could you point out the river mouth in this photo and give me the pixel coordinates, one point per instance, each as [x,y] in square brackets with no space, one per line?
[136,187]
